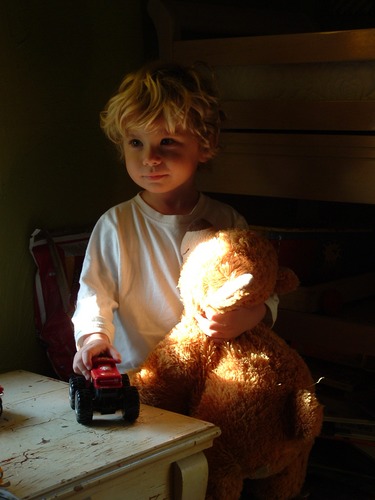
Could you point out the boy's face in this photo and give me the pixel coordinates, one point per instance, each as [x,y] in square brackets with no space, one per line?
[159,161]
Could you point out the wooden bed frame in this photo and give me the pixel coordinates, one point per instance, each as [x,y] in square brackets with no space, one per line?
[290,147]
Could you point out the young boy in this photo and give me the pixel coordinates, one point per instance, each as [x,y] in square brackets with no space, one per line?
[165,119]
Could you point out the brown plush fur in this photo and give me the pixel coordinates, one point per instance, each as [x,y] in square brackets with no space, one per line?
[255,387]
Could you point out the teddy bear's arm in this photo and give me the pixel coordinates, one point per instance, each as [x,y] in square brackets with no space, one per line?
[166,378]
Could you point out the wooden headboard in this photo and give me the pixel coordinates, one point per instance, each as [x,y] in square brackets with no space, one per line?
[300,107]
[300,133]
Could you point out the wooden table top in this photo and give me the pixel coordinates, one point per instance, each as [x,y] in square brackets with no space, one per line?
[42,445]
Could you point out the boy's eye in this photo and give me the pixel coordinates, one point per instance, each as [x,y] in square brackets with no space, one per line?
[135,143]
[167,141]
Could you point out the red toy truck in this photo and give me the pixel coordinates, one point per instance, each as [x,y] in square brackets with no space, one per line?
[106,392]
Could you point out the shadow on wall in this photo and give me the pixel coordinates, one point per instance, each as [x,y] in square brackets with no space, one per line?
[60,63]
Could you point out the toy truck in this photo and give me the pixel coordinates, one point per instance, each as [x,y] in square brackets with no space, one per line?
[107,392]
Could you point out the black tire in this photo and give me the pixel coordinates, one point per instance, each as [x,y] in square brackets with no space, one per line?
[125,380]
[83,406]
[75,382]
[131,407]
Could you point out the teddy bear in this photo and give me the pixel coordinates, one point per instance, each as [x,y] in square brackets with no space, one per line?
[255,388]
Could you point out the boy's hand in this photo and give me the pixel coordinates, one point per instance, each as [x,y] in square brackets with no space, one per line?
[231,324]
[93,345]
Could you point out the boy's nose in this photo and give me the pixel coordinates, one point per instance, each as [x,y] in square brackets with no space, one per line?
[151,157]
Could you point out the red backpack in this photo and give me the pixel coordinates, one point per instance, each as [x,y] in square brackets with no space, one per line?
[59,262]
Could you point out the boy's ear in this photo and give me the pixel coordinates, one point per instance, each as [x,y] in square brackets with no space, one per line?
[209,153]
[205,155]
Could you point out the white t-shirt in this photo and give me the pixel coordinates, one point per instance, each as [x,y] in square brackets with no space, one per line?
[128,286]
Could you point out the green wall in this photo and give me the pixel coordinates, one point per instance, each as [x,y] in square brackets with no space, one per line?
[60,60]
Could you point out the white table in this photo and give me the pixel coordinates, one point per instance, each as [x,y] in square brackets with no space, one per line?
[45,453]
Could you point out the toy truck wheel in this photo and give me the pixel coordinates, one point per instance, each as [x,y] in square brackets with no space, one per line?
[75,382]
[131,404]
[125,380]
[83,406]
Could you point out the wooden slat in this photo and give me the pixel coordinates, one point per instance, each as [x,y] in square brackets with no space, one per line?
[331,334]
[174,18]
[312,167]
[300,115]
[350,45]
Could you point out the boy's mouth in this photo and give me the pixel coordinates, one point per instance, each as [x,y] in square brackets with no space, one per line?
[154,177]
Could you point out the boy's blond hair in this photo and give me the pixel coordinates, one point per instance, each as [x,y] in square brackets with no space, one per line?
[184,97]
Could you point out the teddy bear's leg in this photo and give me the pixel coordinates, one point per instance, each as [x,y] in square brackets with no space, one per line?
[225,488]
[285,485]
[225,482]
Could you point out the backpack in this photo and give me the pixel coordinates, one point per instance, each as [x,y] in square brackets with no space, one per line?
[59,262]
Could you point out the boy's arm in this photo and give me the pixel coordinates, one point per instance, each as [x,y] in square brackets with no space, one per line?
[98,295]
[232,323]
[90,346]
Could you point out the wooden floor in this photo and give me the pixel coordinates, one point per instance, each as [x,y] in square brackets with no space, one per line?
[321,488]
[336,472]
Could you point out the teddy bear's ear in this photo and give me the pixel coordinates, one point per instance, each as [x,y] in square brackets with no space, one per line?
[231,292]
[287,281]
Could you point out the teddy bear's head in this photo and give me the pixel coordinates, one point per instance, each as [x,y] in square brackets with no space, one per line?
[225,269]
